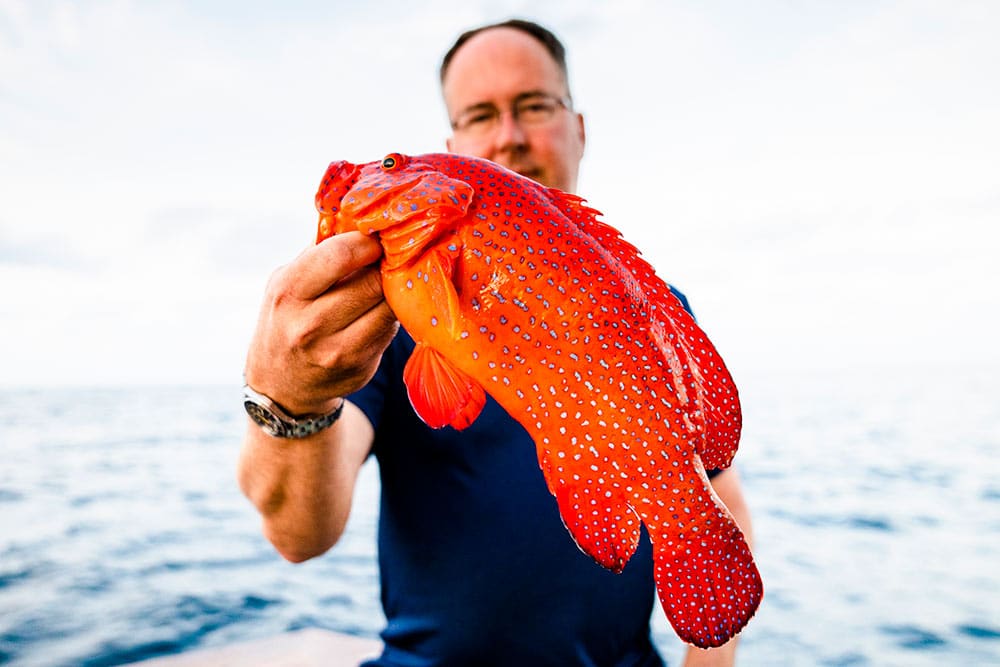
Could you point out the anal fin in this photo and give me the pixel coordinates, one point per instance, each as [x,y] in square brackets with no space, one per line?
[605,528]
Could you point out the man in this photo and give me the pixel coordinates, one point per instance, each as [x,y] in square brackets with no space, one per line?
[476,565]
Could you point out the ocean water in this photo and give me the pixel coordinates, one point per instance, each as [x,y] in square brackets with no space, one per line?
[875,495]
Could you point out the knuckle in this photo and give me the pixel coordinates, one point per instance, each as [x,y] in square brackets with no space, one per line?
[372,284]
[345,251]
[279,286]
[356,361]
[336,250]
[303,332]
[388,322]
[352,250]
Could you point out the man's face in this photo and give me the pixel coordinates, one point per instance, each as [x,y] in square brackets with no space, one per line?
[499,70]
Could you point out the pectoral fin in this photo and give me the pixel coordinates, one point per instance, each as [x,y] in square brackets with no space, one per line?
[441,393]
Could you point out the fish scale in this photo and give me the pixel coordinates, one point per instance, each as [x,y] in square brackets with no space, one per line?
[518,290]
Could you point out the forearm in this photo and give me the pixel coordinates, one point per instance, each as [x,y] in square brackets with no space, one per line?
[724,656]
[729,489]
[303,488]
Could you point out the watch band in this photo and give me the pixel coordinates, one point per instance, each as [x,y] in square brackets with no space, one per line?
[279,423]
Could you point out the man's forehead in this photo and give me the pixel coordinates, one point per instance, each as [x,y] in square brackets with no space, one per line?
[500,63]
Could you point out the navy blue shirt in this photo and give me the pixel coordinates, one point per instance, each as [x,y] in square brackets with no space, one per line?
[476,565]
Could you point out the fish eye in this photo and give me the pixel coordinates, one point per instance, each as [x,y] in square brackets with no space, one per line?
[391,161]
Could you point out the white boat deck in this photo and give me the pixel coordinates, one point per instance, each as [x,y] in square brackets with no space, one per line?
[311,647]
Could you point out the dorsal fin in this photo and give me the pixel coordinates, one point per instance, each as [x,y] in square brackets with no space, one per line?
[610,238]
[700,376]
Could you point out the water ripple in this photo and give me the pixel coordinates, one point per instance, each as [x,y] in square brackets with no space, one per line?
[10,496]
[850,659]
[180,624]
[913,637]
[848,521]
[127,536]
[117,653]
[979,632]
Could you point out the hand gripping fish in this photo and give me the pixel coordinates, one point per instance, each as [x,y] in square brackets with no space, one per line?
[515,289]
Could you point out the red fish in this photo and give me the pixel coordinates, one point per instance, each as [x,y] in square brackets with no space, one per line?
[515,289]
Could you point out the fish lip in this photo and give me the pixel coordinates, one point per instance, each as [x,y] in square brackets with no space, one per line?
[338,174]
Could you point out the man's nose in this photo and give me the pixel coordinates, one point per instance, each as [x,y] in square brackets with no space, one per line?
[509,133]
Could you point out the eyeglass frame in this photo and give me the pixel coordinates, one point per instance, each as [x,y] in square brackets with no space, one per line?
[495,113]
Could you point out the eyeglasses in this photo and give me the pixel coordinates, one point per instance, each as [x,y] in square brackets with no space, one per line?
[529,110]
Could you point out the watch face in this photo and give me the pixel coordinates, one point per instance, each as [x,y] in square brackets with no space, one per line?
[267,421]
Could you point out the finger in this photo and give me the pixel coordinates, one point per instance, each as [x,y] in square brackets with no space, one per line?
[359,348]
[352,297]
[377,327]
[322,266]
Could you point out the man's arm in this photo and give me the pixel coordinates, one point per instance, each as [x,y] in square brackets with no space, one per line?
[303,488]
[727,486]
[321,332]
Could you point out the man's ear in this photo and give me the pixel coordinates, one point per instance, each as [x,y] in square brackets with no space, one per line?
[581,132]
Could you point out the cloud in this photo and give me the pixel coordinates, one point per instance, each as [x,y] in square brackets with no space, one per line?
[16,253]
[813,175]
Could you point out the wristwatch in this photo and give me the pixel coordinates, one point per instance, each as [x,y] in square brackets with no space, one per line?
[279,423]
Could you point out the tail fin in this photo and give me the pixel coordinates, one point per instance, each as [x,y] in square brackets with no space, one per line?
[705,575]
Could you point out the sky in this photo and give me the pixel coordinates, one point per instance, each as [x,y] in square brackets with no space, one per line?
[822,179]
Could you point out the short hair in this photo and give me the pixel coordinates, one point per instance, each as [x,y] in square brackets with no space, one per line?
[544,36]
